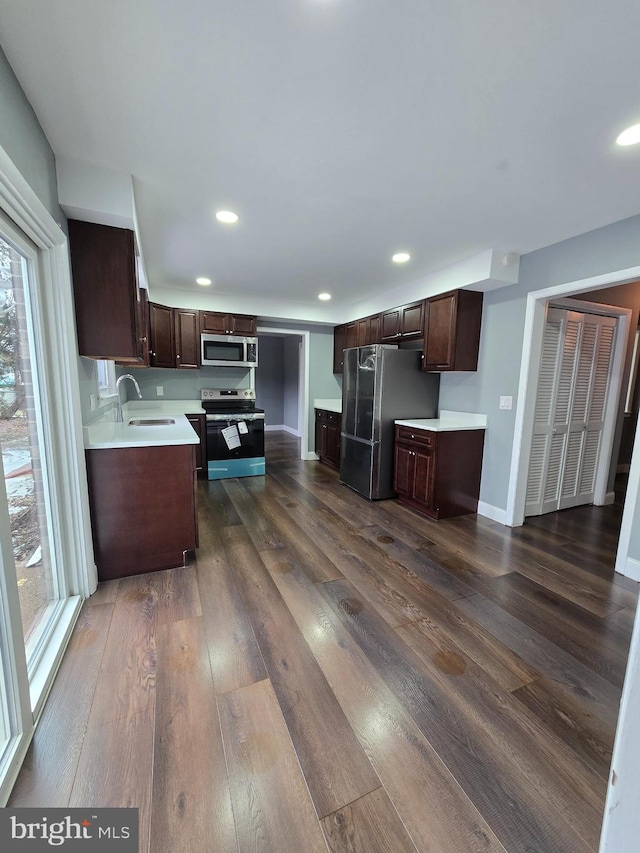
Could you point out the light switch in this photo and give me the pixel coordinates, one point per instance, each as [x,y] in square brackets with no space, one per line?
[160,390]
[506,402]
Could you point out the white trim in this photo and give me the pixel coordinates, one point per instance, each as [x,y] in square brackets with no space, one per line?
[41,678]
[609,498]
[621,822]
[630,503]
[311,457]
[66,463]
[282,428]
[495,513]
[303,383]
[532,346]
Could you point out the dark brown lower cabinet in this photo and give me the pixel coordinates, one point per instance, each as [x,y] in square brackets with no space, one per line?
[328,437]
[438,473]
[199,424]
[143,508]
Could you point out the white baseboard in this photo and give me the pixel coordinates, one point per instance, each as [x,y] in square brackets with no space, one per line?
[609,498]
[632,569]
[311,457]
[282,428]
[623,468]
[495,513]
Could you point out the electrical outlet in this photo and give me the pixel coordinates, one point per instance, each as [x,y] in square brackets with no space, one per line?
[506,403]
[92,402]
[159,390]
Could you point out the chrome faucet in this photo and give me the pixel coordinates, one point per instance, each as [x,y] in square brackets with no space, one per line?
[118,381]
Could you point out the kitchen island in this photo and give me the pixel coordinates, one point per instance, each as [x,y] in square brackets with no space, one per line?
[142,492]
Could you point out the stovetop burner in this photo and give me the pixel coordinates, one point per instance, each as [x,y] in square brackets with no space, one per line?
[229,400]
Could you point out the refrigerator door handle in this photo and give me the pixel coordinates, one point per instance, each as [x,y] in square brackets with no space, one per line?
[367,441]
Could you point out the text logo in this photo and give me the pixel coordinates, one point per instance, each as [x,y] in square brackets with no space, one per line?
[37,830]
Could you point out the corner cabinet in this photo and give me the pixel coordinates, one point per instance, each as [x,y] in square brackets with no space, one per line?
[438,473]
[108,302]
[328,437]
[452,331]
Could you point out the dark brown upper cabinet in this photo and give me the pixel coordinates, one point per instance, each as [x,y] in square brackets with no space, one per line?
[175,337]
[218,323]
[351,332]
[363,331]
[452,331]
[161,329]
[403,323]
[339,346]
[375,329]
[108,302]
[187,338]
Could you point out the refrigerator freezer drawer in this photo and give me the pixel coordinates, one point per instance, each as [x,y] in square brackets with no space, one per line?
[365,469]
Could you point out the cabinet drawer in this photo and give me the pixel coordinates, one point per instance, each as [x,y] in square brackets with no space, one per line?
[415,436]
[333,417]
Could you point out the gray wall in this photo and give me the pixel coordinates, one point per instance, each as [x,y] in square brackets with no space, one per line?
[614,247]
[181,384]
[24,141]
[270,379]
[291,380]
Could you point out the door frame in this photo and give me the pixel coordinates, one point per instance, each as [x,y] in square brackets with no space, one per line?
[303,383]
[67,472]
[535,315]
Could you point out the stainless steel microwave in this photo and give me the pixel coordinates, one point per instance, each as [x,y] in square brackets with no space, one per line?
[228,351]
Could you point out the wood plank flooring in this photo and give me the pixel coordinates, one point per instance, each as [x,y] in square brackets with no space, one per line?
[332,674]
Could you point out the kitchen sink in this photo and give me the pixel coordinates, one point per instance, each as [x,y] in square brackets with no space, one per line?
[151,421]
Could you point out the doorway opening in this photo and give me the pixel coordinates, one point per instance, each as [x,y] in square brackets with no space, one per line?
[537,305]
[282,383]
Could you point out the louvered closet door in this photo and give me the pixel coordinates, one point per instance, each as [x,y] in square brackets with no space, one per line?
[570,407]
[588,411]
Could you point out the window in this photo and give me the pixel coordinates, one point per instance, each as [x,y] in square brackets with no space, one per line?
[106,379]
[46,557]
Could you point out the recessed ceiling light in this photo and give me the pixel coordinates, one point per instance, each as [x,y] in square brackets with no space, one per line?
[203,280]
[401,257]
[227,216]
[630,136]
[324,296]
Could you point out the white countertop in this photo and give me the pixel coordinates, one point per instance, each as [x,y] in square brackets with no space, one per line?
[108,434]
[447,422]
[329,405]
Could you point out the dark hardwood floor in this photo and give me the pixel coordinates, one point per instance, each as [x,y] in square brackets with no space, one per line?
[329,673]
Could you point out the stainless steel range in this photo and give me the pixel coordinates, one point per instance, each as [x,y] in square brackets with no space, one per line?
[235,433]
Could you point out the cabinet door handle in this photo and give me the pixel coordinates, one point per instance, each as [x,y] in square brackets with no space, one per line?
[412,436]
[177,356]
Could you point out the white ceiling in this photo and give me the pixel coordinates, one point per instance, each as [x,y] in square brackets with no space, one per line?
[341,131]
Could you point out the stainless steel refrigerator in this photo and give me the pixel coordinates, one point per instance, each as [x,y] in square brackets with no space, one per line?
[380,384]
